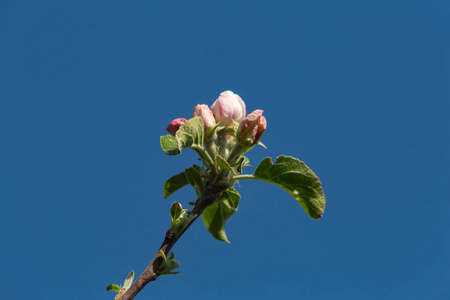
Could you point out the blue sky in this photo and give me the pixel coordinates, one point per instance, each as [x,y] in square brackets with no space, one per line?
[358,90]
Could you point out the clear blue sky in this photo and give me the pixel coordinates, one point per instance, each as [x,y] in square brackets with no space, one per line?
[359,90]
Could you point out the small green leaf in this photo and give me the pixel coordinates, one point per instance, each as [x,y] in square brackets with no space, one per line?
[297,179]
[180,217]
[174,183]
[194,177]
[215,216]
[222,163]
[237,166]
[190,134]
[128,281]
[169,144]
[113,287]
[175,211]
[168,264]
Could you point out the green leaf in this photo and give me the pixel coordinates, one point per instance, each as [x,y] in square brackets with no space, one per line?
[194,177]
[222,163]
[128,281]
[297,179]
[168,264]
[169,144]
[174,183]
[180,217]
[242,162]
[190,134]
[215,216]
[175,211]
[113,287]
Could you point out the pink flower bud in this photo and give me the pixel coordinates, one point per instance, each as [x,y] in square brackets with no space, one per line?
[252,128]
[207,116]
[228,109]
[175,125]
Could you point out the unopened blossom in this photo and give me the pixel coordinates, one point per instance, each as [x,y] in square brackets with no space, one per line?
[175,125]
[252,128]
[228,109]
[202,110]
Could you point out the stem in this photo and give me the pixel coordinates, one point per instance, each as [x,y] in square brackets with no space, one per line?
[243,176]
[210,145]
[223,142]
[236,151]
[151,272]
[205,157]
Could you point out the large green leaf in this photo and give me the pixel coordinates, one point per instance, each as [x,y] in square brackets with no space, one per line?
[297,179]
[191,134]
[215,216]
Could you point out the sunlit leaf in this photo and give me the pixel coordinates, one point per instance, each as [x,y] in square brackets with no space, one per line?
[169,144]
[113,287]
[297,179]
[190,134]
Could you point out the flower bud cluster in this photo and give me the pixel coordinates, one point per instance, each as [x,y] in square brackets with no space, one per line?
[226,125]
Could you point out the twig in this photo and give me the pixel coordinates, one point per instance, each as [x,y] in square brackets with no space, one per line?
[151,272]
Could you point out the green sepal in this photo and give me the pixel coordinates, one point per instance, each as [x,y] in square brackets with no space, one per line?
[215,216]
[113,287]
[174,183]
[191,134]
[212,131]
[168,264]
[261,144]
[297,179]
[169,145]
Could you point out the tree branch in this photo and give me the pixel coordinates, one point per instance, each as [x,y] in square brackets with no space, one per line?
[152,271]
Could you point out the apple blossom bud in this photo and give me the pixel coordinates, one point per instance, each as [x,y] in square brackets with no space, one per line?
[202,110]
[228,109]
[175,125]
[252,128]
